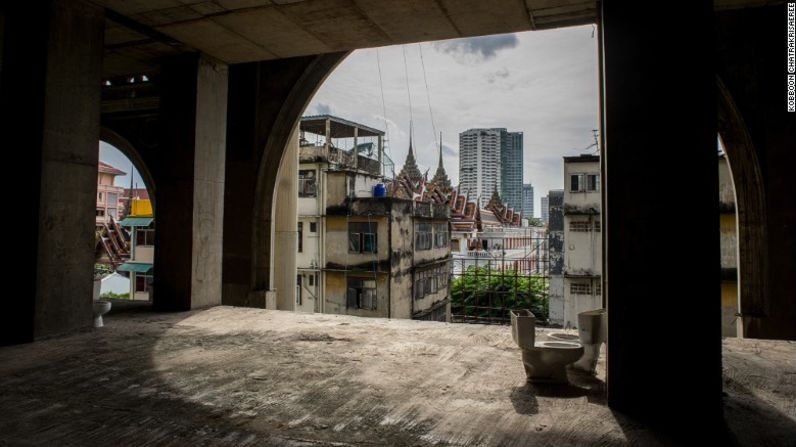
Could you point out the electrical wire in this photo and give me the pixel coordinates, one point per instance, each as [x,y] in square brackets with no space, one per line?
[428,95]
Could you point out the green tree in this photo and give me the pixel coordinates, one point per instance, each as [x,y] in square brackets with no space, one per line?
[485,294]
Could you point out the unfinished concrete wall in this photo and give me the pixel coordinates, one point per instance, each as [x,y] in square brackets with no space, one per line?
[266,100]
[759,135]
[50,101]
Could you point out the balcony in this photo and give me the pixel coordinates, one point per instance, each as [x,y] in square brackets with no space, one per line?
[239,376]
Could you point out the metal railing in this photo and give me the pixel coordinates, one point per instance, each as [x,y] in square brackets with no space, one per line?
[487,284]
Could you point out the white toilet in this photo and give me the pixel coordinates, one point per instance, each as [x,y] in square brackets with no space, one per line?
[592,333]
[101,307]
[544,361]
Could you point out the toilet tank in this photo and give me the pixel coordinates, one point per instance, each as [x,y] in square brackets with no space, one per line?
[523,328]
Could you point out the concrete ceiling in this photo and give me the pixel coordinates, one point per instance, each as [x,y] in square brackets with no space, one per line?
[140,32]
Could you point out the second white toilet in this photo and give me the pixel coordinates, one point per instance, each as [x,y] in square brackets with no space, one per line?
[544,361]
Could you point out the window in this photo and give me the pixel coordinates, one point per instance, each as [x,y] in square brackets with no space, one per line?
[300,237]
[580,288]
[441,236]
[144,237]
[361,294]
[362,237]
[308,186]
[298,290]
[100,196]
[112,198]
[592,182]
[313,227]
[598,288]
[142,282]
[431,281]
[112,213]
[580,226]
[574,183]
[100,212]
[596,225]
[423,236]
[312,279]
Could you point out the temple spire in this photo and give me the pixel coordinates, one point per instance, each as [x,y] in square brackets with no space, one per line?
[410,168]
[440,179]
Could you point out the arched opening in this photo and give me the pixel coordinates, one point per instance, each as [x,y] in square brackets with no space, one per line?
[125,232]
[750,209]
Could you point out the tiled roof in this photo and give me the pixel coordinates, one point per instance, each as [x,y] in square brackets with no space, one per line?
[105,168]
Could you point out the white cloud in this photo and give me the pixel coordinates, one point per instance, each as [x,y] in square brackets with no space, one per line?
[543,83]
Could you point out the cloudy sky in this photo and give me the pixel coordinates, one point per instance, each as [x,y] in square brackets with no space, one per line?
[542,83]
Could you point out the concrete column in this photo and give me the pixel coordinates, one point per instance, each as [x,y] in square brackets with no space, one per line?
[659,161]
[50,102]
[286,221]
[191,193]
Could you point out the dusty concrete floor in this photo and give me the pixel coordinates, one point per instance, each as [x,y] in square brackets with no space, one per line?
[235,376]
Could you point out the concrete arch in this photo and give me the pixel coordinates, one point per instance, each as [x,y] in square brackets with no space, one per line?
[274,151]
[119,142]
[751,209]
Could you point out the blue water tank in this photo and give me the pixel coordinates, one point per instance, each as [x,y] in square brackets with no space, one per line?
[379,190]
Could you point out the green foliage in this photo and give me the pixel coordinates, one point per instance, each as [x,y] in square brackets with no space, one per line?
[535,222]
[115,296]
[488,294]
[101,271]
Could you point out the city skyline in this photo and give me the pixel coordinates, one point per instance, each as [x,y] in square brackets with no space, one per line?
[543,84]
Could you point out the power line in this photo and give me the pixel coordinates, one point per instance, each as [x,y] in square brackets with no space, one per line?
[383,105]
[428,95]
[408,93]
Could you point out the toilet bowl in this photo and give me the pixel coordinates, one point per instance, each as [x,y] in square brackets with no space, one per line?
[544,361]
[101,307]
[547,360]
[592,331]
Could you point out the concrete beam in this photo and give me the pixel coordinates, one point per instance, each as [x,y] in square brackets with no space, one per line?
[661,117]
[51,73]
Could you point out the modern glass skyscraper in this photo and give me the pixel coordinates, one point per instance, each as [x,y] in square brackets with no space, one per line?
[511,169]
[546,208]
[489,159]
[527,201]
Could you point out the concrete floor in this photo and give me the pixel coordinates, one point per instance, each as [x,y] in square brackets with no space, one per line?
[236,376]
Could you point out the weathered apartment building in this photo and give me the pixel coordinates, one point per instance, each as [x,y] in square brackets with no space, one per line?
[578,283]
[365,249]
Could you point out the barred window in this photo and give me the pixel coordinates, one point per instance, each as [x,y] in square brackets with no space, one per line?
[308,186]
[441,235]
[580,288]
[423,236]
[431,281]
[580,226]
[361,294]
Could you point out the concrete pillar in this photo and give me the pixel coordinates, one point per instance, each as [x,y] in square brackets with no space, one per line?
[50,102]
[286,221]
[659,167]
[191,194]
